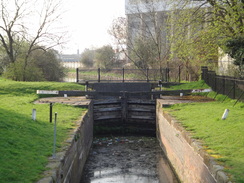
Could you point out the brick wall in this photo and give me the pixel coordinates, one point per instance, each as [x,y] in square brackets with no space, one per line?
[185,154]
[68,164]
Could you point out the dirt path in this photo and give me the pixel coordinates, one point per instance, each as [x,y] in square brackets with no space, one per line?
[169,100]
[76,101]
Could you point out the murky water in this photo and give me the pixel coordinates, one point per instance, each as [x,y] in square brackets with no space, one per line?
[127,160]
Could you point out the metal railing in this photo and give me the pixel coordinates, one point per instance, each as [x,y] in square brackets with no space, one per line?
[122,75]
[168,74]
[230,86]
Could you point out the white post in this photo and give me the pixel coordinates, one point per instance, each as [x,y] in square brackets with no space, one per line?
[226,112]
[34,114]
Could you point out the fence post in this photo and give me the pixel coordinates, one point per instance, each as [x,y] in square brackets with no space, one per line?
[123,70]
[223,85]
[86,86]
[179,74]
[161,74]
[51,112]
[215,82]
[99,76]
[167,74]
[204,73]
[234,88]
[77,75]
[147,74]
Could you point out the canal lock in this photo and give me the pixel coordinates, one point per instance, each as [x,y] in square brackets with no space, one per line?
[127,159]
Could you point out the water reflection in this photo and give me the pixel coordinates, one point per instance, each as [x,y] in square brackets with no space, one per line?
[118,176]
[70,80]
[129,160]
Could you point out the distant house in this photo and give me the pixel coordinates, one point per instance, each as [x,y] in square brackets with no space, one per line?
[71,60]
[225,63]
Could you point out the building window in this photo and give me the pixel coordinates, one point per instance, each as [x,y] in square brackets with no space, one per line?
[134,1]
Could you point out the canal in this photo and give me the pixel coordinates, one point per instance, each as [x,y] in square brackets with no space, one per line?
[127,160]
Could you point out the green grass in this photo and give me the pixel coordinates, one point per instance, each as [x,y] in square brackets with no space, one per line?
[26,144]
[222,139]
[188,86]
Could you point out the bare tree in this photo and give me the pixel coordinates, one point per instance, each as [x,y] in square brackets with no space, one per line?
[143,27]
[30,24]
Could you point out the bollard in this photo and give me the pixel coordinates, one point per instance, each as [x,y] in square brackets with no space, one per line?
[226,112]
[34,114]
[54,135]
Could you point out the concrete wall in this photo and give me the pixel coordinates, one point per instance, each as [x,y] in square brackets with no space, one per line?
[186,156]
[68,164]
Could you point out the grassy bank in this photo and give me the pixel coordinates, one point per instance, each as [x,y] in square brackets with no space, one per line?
[222,139]
[188,86]
[26,144]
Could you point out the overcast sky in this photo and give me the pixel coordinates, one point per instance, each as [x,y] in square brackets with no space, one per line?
[88,21]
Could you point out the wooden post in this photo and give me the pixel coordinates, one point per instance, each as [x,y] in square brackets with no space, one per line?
[179,74]
[215,82]
[147,74]
[205,74]
[99,76]
[123,70]
[77,75]
[51,112]
[86,86]
[223,79]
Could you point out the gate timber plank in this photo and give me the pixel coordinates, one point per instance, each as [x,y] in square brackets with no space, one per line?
[107,117]
[109,109]
[140,110]
[142,117]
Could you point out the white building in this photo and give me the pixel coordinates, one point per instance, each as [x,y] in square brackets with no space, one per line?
[71,60]
[149,18]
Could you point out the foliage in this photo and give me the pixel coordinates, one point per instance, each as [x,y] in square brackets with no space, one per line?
[227,17]
[143,54]
[27,144]
[15,71]
[105,57]
[235,48]
[87,58]
[49,64]
[193,39]
[19,36]
[43,65]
